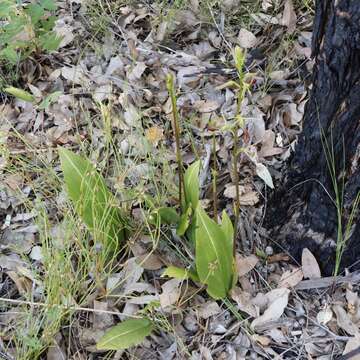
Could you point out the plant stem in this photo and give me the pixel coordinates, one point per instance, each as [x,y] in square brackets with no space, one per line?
[236,181]
[239,58]
[176,131]
[214,178]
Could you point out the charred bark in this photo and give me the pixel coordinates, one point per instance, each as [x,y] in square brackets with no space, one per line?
[302,214]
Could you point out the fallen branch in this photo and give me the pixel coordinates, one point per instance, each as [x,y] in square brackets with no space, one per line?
[328,281]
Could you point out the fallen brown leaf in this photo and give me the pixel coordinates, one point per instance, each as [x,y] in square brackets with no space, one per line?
[310,267]
[245,264]
[290,279]
[289,17]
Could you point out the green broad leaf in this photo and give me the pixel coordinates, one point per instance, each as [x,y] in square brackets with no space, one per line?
[180,273]
[168,215]
[191,185]
[228,229]
[48,5]
[50,41]
[20,94]
[36,12]
[184,221]
[48,23]
[129,333]
[6,8]
[176,272]
[93,202]
[10,55]
[190,231]
[48,100]
[214,263]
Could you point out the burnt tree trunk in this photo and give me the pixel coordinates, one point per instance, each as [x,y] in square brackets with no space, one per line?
[303,215]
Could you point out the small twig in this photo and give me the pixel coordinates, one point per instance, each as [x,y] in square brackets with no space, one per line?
[218,29]
[327,281]
[62,307]
[351,354]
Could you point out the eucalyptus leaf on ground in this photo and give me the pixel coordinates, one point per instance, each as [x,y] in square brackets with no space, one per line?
[129,333]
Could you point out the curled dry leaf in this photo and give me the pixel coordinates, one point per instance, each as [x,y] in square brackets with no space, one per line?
[289,17]
[353,344]
[324,316]
[137,71]
[243,300]
[245,264]
[154,135]
[150,262]
[262,340]
[248,198]
[246,39]
[206,106]
[267,146]
[65,32]
[102,320]
[266,4]
[310,267]
[277,335]
[228,5]
[209,309]
[353,303]
[171,291]
[75,74]
[289,279]
[264,174]
[36,253]
[344,321]
[278,300]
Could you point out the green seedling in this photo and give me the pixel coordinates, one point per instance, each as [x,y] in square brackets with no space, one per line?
[26,28]
[93,201]
[214,260]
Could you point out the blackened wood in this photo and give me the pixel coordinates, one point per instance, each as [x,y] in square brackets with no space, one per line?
[302,214]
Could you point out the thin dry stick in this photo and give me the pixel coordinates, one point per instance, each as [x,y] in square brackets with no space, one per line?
[176,131]
[63,307]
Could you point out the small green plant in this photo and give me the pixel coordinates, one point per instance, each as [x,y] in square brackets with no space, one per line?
[242,87]
[40,103]
[26,28]
[93,201]
[213,242]
[343,230]
[176,130]
[214,261]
